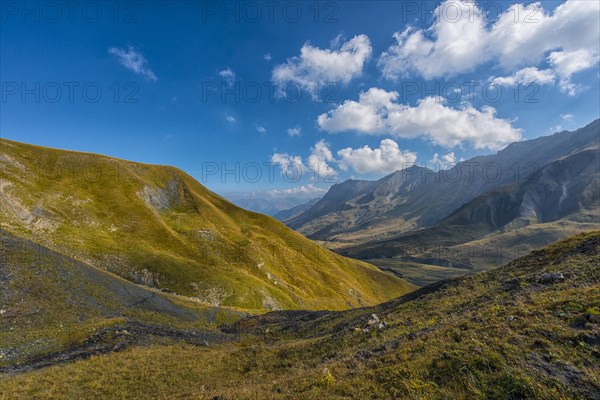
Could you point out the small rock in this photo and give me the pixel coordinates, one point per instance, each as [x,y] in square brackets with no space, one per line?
[511,284]
[511,317]
[551,278]
[374,321]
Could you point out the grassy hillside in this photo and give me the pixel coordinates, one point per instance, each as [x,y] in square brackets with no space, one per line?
[157,226]
[511,333]
[448,260]
[50,302]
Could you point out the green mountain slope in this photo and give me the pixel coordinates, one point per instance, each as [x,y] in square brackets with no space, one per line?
[529,330]
[157,226]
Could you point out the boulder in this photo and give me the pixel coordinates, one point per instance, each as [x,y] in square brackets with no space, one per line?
[551,278]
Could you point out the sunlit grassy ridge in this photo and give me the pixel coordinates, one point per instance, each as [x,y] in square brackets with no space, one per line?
[502,334]
[157,226]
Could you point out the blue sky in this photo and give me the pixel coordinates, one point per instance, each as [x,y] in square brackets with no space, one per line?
[397,83]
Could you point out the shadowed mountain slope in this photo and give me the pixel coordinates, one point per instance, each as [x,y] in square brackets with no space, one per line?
[418,198]
[563,190]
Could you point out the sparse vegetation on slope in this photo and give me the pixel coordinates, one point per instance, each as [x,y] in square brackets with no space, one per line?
[529,330]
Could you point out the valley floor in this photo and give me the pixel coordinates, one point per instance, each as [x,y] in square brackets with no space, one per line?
[417,273]
[530,329]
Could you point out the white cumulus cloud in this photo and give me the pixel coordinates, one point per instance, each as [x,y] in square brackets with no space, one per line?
[291,166]
[563,66]
[310,190]
[134,61]
[446,161]
[378,112]
[567,117]
[386,158]
[317,66]
[527,76]
[461,38]
[567,63]
[295,131]
[228,76]
[324,166]
[321,161]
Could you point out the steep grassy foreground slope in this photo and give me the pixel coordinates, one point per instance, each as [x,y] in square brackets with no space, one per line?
[518,332]
[50,302]
[157,226]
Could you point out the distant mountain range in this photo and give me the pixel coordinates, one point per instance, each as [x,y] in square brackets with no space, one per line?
[295,211]
[158,227]
[541,189]
[269,205]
